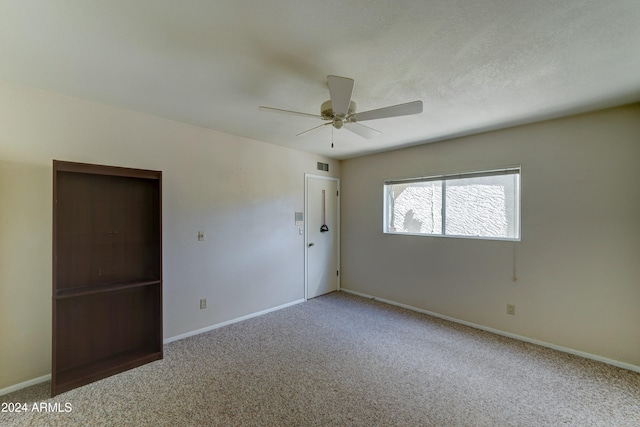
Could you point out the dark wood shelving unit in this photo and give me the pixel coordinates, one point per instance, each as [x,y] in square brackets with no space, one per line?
[107,272]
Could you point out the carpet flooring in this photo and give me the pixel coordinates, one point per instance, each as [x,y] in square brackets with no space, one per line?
[343,360]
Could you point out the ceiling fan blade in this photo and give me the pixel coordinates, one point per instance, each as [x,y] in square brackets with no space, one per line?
[312,129]
[414,107]
[362,130]
[340,89]
[297,113]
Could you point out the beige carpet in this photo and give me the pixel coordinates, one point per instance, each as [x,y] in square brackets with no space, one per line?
[342,360]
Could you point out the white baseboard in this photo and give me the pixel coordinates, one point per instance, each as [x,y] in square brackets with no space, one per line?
[229,322]
[25,384]
[44,378]
[606,360]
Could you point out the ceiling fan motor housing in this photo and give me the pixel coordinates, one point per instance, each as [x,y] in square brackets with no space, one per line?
[326,111]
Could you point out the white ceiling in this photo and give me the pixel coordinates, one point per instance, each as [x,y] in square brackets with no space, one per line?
[476,65]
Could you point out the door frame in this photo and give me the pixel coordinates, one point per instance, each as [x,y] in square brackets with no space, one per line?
[307,176]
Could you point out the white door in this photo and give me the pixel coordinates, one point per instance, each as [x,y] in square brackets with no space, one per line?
[322,235]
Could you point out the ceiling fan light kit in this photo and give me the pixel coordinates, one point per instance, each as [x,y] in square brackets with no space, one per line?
[340,110]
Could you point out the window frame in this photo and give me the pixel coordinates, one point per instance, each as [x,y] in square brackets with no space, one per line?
[511,170]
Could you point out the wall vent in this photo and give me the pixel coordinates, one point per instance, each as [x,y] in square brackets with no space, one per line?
[323,166]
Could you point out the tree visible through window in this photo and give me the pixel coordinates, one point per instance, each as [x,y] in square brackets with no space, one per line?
[480,204]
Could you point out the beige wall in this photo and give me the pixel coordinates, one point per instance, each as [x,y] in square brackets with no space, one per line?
[25,271]
[578,264]
[242,193]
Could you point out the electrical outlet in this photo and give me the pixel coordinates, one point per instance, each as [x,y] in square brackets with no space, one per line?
[511,309]
[203,303]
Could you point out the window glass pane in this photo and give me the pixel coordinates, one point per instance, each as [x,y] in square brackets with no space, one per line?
[416,208]
[482,206]
[478,204]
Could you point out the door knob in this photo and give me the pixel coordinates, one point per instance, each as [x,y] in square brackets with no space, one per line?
[311,244]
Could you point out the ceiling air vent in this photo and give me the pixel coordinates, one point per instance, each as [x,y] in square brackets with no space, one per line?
[323,166]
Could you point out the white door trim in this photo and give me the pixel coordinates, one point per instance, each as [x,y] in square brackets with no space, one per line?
[306,226]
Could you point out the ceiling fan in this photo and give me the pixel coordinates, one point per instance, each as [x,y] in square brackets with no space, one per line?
[340,110]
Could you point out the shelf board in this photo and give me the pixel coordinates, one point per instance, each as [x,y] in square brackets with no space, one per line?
[78,376]
[90,169]
[103,288]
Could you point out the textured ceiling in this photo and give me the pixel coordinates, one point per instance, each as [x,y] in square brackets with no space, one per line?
[476,65]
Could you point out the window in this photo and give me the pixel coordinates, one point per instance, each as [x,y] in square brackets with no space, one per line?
[483,205]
